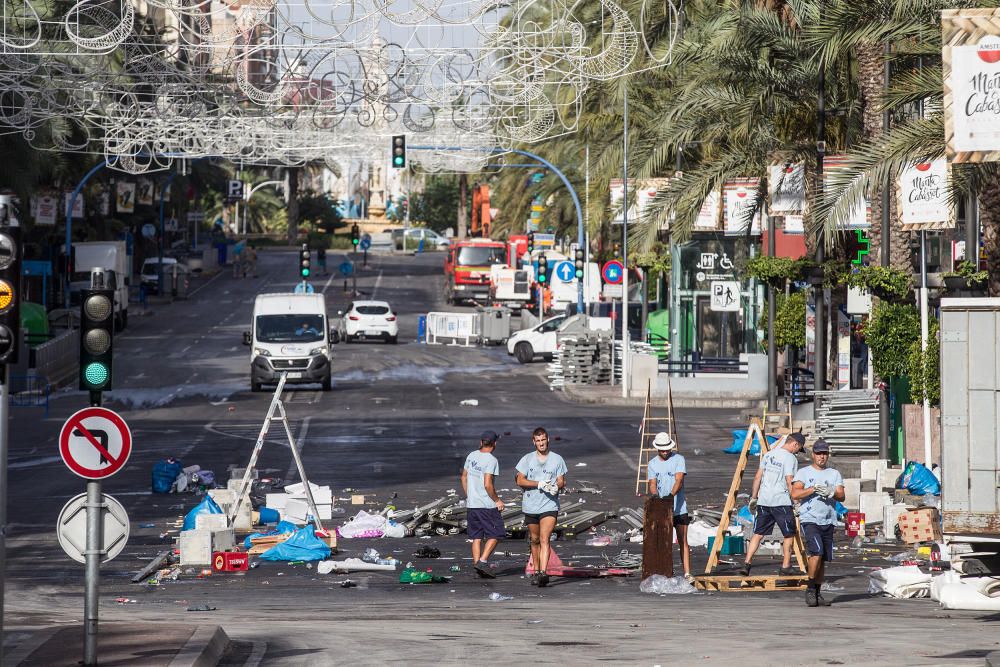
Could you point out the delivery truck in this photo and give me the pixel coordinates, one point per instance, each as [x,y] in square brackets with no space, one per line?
[110,256]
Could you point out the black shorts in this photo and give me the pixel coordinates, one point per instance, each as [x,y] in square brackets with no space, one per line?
[682,519]
[535,519]
[485,523]
[819,540]
[766,517]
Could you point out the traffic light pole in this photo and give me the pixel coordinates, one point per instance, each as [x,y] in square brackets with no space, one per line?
[4,435]
[92,556]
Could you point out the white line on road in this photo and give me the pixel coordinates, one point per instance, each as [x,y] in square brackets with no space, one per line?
[378,281]
[206,284]
[327,284]
[301,445]
[618,450]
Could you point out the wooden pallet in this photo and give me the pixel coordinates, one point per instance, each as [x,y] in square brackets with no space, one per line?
[738,584]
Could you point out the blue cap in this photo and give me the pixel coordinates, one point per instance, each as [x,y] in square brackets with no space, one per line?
[821,446]
[489,437]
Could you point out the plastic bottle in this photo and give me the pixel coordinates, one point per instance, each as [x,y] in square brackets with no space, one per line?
[387,561]
[370,555]
[497,597]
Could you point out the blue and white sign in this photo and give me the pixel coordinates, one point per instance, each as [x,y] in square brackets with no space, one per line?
[346,268]
[304,288]
[366,241]
[565,271]
[613,272]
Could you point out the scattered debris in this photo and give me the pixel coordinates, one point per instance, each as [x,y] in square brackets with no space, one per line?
[661,585]
[201,607]
[470,402]
[497,597]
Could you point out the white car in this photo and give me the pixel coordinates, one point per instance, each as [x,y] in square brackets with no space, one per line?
[369,319]
[414,235]
[149,275]
[526,344]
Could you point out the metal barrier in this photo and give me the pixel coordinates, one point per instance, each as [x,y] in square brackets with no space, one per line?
[848,420]
[59,357]
[453,327]
[799,385]
[697,364]
[30,391]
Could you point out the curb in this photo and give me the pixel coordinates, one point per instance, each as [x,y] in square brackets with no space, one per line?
[205,648]
[29,646]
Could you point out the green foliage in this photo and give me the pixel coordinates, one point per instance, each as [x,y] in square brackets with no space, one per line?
[437,205]
[789,321]
[319,210]
[882,281]
[968,271]
[890,333]
[776,270]
[925,367]
[656,260]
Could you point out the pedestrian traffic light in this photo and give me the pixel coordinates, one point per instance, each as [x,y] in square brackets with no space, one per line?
[543,270]
[355,235]
[399,151]
[97,309]
[618,250]
[304,261]
[579,263]
[10,290]
[531,242]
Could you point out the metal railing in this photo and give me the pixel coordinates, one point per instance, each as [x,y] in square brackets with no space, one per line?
[699,364]
[59,357]
[799,385]
[30,391]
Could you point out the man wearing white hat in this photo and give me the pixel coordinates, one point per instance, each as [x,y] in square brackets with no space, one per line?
[666,481]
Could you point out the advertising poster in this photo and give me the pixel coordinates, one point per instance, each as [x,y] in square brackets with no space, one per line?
[47,210]
[923,200]
[787,187]
[708,216]
[125,197]
[743,206]
[971,67]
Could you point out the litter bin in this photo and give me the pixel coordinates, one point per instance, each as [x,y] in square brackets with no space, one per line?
[494,324]
[422,329]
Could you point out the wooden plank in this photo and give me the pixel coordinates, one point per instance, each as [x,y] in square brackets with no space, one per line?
[762,583]
[734,488]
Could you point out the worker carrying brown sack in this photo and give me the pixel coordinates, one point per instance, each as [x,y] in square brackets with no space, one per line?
[666,511]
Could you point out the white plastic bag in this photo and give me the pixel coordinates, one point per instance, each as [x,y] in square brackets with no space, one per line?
[393,529]
[363,524]
[699,532]
[661,585]
[905,581]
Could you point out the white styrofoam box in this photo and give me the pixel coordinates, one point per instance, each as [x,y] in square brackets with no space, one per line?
[852,493]
[869,466]
[243,519]
[300,488]
[222,496]
[211,521]
[223,540]
[891,518]
[325,511]
[885,479]
[196,547]
[871,504]
[276,501]
[295,510]
[235,485]
[323,496]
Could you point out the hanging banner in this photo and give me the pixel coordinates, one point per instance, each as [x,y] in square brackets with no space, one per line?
[708,216]
[787,187]
[861,213]
[794,224]
[644,191]
[125,197]
[144,192]
[46,209]
[742,201]
[923,201]
[971,66]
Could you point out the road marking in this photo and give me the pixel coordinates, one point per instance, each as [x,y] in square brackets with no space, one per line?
[618,450]
[328,281]
[206,284]
[258,653]
[301,445]
[378,281]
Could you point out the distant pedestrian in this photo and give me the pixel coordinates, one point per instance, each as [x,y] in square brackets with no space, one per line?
[666,475]
[541,474]
[321,259]
[771,500]
[817,488]
[483,505]
[251,260]
[239,271]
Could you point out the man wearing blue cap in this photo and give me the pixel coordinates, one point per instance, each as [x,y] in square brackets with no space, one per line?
[483,505]
[817,488]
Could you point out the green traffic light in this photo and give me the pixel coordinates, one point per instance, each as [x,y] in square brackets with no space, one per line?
[96,374]
[305,273]
[354,241]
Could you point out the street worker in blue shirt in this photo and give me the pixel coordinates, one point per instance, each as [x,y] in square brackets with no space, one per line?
[817,488]
[666,481]
[483,505]
[771,500]
[541,474]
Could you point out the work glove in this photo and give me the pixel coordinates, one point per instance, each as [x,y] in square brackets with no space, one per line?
[550,488]
[822,490]
[753,506]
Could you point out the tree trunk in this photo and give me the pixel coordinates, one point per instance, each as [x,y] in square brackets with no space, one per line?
[293,205]
[989,214]
[463,196]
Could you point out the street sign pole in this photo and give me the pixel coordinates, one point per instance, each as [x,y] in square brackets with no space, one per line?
[92,572]
[4,433]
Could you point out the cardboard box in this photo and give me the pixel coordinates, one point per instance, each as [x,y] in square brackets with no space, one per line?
[922,525]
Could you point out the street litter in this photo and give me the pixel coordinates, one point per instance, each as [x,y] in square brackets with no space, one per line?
[497,597]
[581,465]
[661,585]
[557,568]
[827,587]
[904,581]
[206,506]
[410,576]
[302,545]
[470,401]
[201,607]
[352,565]
[427,552]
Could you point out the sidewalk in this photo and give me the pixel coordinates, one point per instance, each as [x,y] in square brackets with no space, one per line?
[603,394]
[159,645]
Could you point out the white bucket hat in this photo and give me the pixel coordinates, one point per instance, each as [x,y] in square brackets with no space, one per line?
[664,442]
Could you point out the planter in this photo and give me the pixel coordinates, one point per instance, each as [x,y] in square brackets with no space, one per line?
[954,283]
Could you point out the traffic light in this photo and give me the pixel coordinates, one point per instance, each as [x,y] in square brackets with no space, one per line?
[97,309]
[304,261]
[355,236]
[618,250]
[10,292]
[398,151]
[543,270]
[579,263]
[531,242]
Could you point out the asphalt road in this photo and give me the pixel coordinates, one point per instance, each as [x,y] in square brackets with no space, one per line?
[394,429]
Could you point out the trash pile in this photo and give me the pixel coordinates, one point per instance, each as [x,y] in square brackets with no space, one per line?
[922,574]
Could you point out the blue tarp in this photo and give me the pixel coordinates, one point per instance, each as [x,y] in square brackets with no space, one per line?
[918,480]
[206,506]
[303,545]
[739,436]
[282,527]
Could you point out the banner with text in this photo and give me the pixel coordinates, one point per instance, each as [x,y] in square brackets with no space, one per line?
[787,186]
[971,66]
[742,196]
[923,200]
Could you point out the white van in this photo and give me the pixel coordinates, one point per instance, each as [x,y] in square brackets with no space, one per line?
[290,334]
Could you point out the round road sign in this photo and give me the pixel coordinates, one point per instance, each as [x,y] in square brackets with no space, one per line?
[565,271]
[71,528]
[6,341]
[366,241]
[612,272]
[346,268]
[95,443]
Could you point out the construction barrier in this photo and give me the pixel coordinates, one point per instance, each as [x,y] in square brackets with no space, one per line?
[453,328]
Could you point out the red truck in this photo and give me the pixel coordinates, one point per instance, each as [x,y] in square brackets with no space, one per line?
[467,268]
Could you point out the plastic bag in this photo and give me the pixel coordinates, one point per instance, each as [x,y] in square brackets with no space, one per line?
[302,545]
[206,506]
[918,480]
[282,528]
[905,581]
[411,576]
[661,585]
[393,529]
[363,524]
[164,474]
[739,436]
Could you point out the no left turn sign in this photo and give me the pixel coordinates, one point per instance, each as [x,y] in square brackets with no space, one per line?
[95,443]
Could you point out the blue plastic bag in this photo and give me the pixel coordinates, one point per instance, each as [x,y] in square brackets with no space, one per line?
[918,480]
[282,527]
[164,474]
[206,506]
[739,436]
[840,509]
[303,545]
[744,514]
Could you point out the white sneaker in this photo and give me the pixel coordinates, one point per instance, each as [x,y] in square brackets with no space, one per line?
[688,577]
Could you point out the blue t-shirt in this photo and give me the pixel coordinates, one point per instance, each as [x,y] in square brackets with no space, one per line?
[777,464]
[665,474]
[536,501]
[478,464]
[821,511]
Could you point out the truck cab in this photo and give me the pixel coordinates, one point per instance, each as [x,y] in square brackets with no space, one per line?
[290,334]
[467,268]
[112,258]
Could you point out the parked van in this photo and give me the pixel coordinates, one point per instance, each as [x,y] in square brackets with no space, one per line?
[290,334]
